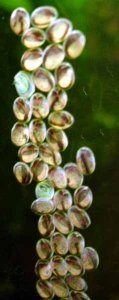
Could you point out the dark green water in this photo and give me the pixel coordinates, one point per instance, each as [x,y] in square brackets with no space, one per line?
[94,102]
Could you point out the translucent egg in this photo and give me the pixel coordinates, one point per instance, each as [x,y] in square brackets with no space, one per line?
[43,269]
[90,258]
[19,134]
[78,217]
[57,139]
[62,200]
[39,170]
[39,105]
[65,76]
[32,59]
[21,109]
[42,206]
[74,177]
[37,131]
[22,173]
[62,223]
[33,38]
[76,283]
[59,30]
[50,156]
[44,289]
[61,119]
[19,20]
[60,288]
[57,176]
[76,243]
[44,249]
[24,84]
[74,265]
[44,190]
[83,197]
[57,99]
[74,44]
[79,296]
[59,243]
[45,225]
[28,152]
[85,160]
[44,80]
[53,56]
[43,16]
[59,266]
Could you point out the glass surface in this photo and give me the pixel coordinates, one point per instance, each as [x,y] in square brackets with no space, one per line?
[94,103]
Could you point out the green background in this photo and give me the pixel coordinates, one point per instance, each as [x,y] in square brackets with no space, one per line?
[94,102]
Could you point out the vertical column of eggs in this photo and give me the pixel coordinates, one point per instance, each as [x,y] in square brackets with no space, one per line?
[42,86]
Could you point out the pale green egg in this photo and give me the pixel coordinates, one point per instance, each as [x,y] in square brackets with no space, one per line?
[24,84]
[44,190]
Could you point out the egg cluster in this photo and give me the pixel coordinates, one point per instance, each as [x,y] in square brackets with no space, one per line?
[61,198]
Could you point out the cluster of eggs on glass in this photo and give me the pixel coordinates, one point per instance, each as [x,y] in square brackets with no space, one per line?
[42,86]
